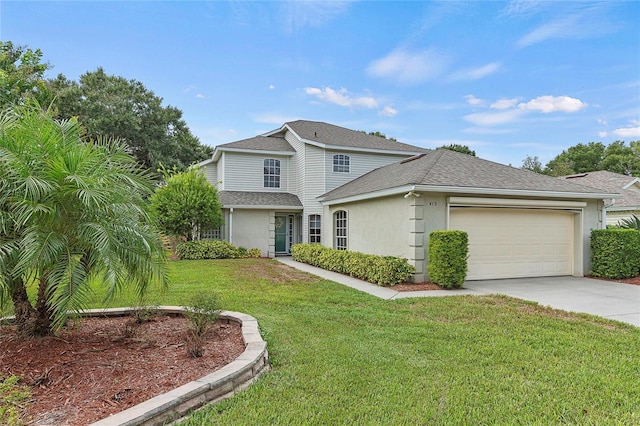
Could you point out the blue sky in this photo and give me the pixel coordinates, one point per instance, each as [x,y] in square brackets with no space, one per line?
[509,79]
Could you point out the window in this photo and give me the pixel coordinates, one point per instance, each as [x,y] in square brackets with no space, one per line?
[211,234]
[271,173]
[314,228]
[340,163]
[341,230]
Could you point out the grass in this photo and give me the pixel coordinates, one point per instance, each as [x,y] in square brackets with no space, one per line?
[339,356]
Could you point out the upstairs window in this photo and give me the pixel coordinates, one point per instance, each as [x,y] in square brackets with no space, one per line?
[314,228]
[340,163]
[340,226]
[271,173]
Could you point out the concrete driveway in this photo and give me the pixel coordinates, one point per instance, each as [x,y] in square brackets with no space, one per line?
[606,299]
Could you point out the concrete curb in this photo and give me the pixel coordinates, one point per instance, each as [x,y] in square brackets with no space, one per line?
[221,384]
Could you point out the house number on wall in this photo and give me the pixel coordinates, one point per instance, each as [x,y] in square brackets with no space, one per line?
[433,203]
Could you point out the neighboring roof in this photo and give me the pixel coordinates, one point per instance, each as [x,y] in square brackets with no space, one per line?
[260,143]
[446,170]
[329,135]
[626,186]
[258,199]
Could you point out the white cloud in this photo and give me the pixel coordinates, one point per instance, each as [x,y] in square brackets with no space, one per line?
[476,73]
[494,118]
[588,20]
[200,96]
[341,98]
[409,67]
[272,86]
[472,100]
[298,15]
[547,104]
[504,103]
[388,111]
[521,8]
[628,132]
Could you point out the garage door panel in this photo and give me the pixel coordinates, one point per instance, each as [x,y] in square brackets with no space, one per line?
[511,243]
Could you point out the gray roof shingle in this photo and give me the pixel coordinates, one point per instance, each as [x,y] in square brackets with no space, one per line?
[261,143]
[609,182]
[329,134]
[446,168]
[255,199]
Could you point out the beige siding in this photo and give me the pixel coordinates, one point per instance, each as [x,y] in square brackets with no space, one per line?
[244,172]
[360,163]
[211,172]
[614,217]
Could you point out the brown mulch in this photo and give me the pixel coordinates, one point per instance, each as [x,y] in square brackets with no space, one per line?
[101,366]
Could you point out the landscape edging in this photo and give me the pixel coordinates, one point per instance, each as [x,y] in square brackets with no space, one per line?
[220,384]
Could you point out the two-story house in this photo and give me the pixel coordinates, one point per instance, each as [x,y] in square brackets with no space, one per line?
[315,182]
[269,185]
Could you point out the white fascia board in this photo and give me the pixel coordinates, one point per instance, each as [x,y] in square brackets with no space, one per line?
[202,163]
[219,151]
[265,207]
[514,192]
[514,202]
[622,208]
[466,190]
[630,184]
[365,150]
[369,195]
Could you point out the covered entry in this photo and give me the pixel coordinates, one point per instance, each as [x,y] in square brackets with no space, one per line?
[288,229]
[513,242]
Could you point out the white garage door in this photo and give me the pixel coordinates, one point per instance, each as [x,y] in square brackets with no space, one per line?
[513,243]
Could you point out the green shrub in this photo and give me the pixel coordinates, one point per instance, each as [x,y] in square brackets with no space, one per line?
[448,252]
[615,253]
[206,249]
[241,252]
[202,311]
[254,252]
[381,270]
[13,398]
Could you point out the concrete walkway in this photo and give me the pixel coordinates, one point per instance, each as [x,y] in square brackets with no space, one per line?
[606,299]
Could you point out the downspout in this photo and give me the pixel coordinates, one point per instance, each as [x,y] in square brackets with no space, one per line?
[231,225]
[604,212]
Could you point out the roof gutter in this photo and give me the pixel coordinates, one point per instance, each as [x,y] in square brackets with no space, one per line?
[465,190]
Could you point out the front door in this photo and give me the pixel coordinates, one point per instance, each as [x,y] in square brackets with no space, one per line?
[281,234]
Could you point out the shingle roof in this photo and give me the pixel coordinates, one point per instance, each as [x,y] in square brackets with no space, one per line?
[255,199]
[609,182]
[329,134]
[446,168]
[261,143]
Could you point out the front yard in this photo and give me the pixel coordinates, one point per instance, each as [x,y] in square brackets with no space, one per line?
[339,356]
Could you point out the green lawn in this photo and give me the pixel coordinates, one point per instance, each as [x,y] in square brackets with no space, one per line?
[339,356]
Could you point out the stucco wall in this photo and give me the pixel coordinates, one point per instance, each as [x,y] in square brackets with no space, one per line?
[399,226]
[382,222]
[250,229]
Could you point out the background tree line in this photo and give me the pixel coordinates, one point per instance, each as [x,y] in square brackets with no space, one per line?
[617,157]
[105,105]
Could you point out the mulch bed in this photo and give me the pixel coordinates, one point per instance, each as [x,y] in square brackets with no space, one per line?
[101,366]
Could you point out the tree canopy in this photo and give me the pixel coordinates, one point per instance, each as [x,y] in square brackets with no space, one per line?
[616,157]
[71,211]
[21,74]
[459,148]
[127,110]
[186,205]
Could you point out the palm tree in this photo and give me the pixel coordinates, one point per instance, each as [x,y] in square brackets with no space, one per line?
[70,212]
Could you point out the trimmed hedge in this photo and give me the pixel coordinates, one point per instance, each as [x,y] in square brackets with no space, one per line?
[213,249]
[615,253]
[448,253]
[381,270]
